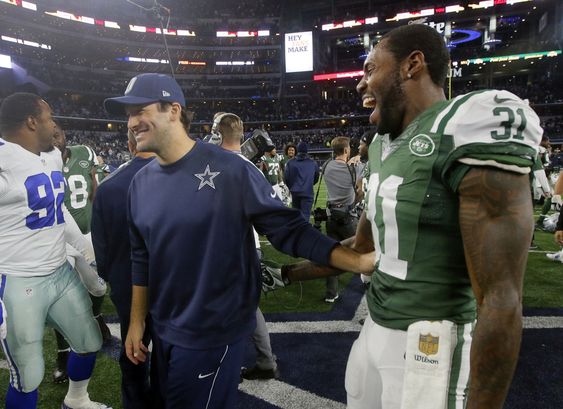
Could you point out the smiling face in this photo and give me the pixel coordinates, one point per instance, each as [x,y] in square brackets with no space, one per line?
[381,89]
[60,139]
[150,126]
[291,152]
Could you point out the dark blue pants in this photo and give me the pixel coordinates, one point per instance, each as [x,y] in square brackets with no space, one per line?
[198,379]
[136,392]
[340,225]
[303,203]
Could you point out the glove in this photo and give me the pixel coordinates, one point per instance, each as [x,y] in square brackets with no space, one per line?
[3,325]
[95,285]
[213,138]
[272,278]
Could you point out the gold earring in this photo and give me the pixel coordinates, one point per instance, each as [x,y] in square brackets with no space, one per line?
[409,76]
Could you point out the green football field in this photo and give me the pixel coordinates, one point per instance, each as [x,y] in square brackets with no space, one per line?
[543,287]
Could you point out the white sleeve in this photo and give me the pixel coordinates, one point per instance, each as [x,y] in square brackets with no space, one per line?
[4,181]
[541,178]
[4,169]
[256,238]
[76,239]
[491,128]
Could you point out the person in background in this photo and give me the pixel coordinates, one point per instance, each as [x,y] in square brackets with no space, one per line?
[289,153]
[449,216]
[540,184]
[231,130]
[79,170]
[110,237]
[300,176]
[340,180]
[271,167]
[197,231]
[37,284]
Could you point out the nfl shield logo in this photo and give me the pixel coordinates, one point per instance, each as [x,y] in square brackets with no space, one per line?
[427,344]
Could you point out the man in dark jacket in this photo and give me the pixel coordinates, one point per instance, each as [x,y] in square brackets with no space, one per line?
[110,236]
[300,175]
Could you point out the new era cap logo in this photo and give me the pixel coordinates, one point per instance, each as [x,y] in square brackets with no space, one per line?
[130,85]
[165,93]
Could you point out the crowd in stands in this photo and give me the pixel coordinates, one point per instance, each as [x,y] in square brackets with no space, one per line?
[260,62]
[112,146]
[202,17]
[553,126]
[262,109]
[250,110]
[542,90]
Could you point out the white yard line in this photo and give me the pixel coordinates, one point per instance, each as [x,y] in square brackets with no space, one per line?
[287,396]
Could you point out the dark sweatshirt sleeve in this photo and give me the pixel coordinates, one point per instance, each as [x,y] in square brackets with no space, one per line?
[139,253]
[99,234]
[288,175]
[559,225]
[285,228]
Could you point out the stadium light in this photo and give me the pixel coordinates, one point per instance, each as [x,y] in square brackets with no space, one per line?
[112,24]
[349,23]
[338,75]
[513,57]
[146,60]
[5,61]
[490,3]
[24,4]
[187,62]
[242,34]
[234,62]
[25,42]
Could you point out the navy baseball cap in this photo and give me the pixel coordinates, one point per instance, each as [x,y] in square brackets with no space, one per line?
[146,89]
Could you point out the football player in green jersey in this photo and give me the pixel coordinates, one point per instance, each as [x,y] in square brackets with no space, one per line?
[80,163]
[449,215]
[102,170]
[271,167]
[289,151]
[79,169]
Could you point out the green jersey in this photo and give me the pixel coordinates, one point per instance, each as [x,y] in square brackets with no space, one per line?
[77,171]
[284,160]
[413,206]
[100,173]
[272,168]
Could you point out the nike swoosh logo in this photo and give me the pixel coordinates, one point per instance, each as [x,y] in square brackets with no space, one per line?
[501,100]
[273,195]
[200,376]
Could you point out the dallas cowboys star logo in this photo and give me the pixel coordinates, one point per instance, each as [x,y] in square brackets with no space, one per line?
[206,178]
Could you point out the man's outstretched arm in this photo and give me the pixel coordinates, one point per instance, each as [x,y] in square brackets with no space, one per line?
[362,243]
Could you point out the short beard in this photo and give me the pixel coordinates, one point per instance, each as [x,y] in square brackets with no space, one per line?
[392,109]
[49,148]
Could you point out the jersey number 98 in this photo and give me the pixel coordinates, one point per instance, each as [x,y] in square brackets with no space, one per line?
[45,197]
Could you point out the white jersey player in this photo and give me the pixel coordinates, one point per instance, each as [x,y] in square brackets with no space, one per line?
[37,285]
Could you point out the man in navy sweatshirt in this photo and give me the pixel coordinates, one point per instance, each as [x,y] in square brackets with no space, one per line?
[110,236]
[300,176]
[194,261]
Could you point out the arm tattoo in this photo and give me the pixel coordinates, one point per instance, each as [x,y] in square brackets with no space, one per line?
[496,225]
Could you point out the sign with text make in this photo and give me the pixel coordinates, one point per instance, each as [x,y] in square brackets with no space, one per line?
[299,52]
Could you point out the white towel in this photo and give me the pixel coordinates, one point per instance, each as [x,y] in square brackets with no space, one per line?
[430,346]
